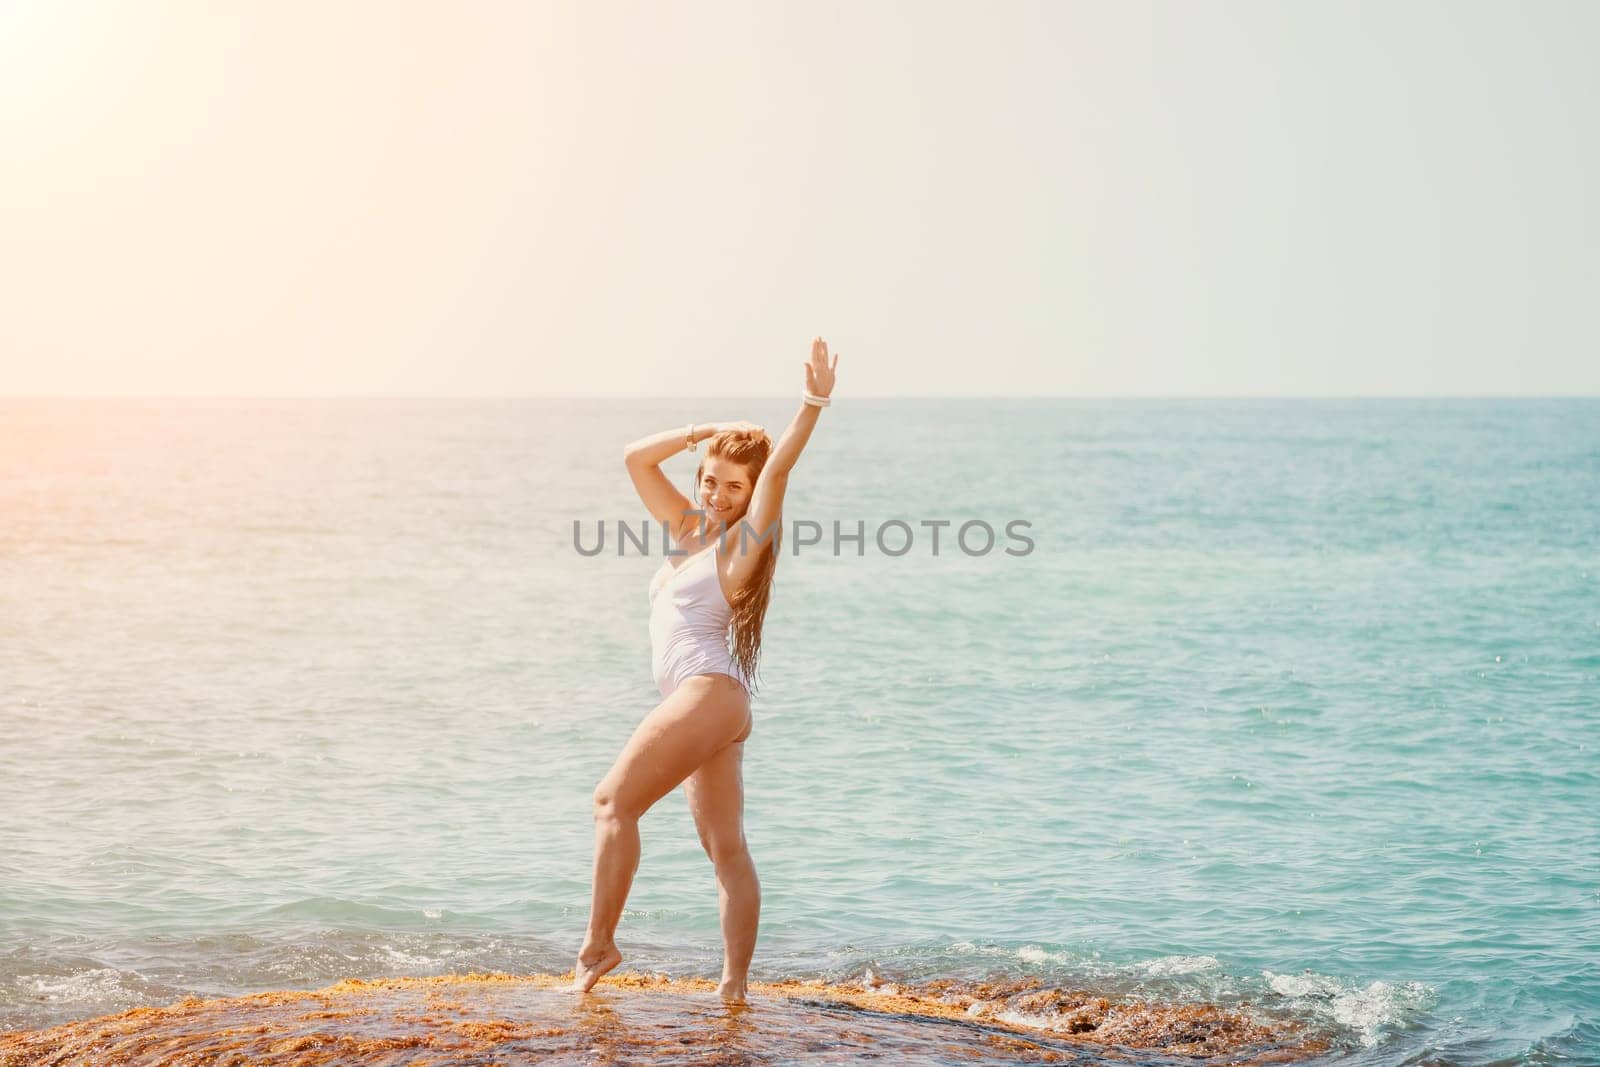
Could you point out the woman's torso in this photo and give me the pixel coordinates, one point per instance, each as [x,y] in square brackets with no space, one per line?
[689,617]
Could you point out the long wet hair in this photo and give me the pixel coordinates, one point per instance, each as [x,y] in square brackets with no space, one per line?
[749,449]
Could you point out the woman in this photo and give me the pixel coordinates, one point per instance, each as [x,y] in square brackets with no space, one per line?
[707,603]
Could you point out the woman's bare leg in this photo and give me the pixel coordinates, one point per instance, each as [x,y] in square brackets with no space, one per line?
[716,798]
[702,716]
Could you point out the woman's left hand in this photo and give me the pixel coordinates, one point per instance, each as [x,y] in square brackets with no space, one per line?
[819,371]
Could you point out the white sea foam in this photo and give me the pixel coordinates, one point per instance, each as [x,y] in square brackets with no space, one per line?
[1166,966]
[967,948]
[99,984]
[424,951]
[1025,1018]
[1035,954]
[1369,1010]
[1302,985]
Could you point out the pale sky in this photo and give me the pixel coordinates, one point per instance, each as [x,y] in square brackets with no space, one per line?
[295,198]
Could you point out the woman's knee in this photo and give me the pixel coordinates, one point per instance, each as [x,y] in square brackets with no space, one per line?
[724,845]
[608,804]
[725,849]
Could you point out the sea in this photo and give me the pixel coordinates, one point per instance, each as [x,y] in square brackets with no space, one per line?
[1285,704]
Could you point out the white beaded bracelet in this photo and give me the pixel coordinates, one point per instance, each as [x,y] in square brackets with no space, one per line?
[815,401]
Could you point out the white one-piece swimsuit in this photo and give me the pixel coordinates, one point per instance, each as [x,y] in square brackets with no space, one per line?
[689,617]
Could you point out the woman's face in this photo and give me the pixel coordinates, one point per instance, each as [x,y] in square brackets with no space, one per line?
[724,490]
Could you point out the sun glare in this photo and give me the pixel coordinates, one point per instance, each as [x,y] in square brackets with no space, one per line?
[47,50]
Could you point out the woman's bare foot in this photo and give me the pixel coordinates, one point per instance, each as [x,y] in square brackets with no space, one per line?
[731,992]
[591,965]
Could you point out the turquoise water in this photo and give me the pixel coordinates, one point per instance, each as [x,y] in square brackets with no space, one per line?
[1292,703]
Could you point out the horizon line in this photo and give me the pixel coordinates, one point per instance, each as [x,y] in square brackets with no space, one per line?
[785,396]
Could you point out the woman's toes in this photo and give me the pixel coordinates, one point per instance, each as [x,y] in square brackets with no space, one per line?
[587,972]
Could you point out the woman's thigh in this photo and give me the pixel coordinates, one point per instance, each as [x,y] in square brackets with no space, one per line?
[716,800]
[702,716]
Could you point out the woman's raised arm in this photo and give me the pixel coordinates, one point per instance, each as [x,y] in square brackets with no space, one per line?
[766,502]
[661,498]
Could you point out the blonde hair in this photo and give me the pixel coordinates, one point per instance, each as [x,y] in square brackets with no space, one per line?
[750,449]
